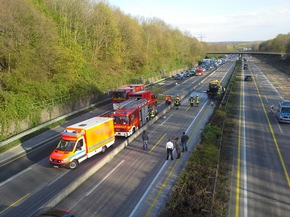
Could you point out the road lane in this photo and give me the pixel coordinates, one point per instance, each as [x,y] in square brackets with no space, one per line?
[43,183]
[262,180]
[144,171]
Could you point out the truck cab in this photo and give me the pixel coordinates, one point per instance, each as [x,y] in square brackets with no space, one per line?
[144,94]
[128,119]
[121,94]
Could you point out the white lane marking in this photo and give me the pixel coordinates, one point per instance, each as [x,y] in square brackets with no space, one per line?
[62,174]
[166,119]
[88,193]
[76,201]
[15,176]
[196,116]
[244,153]
[279,127]
[147,191]
[161,169]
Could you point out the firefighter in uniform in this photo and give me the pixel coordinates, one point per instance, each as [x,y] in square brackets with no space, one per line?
[152,113]
[197,101]
[177,103]
[168,100]
[191,101]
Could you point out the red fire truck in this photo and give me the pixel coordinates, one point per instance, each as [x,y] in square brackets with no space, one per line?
[131,117]
[144,94]
[137,87]
[122,94]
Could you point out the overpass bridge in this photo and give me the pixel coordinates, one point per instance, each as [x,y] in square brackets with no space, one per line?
[282,55]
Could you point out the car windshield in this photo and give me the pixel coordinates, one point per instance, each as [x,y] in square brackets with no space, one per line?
[285,109]
[120,120]
[119,94]
[65,145]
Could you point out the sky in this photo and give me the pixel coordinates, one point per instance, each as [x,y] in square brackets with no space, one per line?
[216,20]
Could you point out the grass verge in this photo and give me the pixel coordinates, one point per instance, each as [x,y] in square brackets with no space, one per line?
[203,188]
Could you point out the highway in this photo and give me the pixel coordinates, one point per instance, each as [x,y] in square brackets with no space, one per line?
[260,177]
[125,180]
[133,182]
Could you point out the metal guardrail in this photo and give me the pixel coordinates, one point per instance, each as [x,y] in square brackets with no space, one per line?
[51,102]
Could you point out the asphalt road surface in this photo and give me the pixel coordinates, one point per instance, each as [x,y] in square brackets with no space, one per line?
[260,183]
[124,181]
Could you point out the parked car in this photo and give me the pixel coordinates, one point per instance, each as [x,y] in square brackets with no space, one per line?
[179,76]
[187,74]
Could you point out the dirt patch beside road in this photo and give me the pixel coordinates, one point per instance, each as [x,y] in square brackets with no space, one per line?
[277,71]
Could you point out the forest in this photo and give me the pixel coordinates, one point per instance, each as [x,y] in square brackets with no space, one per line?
[75,48]
[281,43]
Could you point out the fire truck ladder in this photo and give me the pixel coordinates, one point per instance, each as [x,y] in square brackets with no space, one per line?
[139,103]
[125,104]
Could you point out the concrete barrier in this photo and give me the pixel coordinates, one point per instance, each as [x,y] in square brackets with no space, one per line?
[73,186]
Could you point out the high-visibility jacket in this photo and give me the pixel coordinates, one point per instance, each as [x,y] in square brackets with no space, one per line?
[191,100]
[152,113]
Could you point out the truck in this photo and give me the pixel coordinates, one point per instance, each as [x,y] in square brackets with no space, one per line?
[122,94]
[283,112]
[137,87]
[130,118]
[144,94]
[124,104]
[83,140]
[215,89]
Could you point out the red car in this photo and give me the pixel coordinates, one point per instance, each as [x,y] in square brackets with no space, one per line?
[55,213]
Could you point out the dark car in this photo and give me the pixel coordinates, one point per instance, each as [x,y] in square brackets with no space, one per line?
[248,78]
[179,77]
[55,213]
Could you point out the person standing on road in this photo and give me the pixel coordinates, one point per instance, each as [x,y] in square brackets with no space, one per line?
[184,140]
[197,101]
[177,104]
[169,149]
[272,108]
[177,147]
[145,139]
[152,113]
[191,101]
[168,100]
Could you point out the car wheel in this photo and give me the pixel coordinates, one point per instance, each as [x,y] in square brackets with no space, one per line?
[104,148]
[74,164]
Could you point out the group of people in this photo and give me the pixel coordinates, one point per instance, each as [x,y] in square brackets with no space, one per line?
[178,145]
[192,101]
